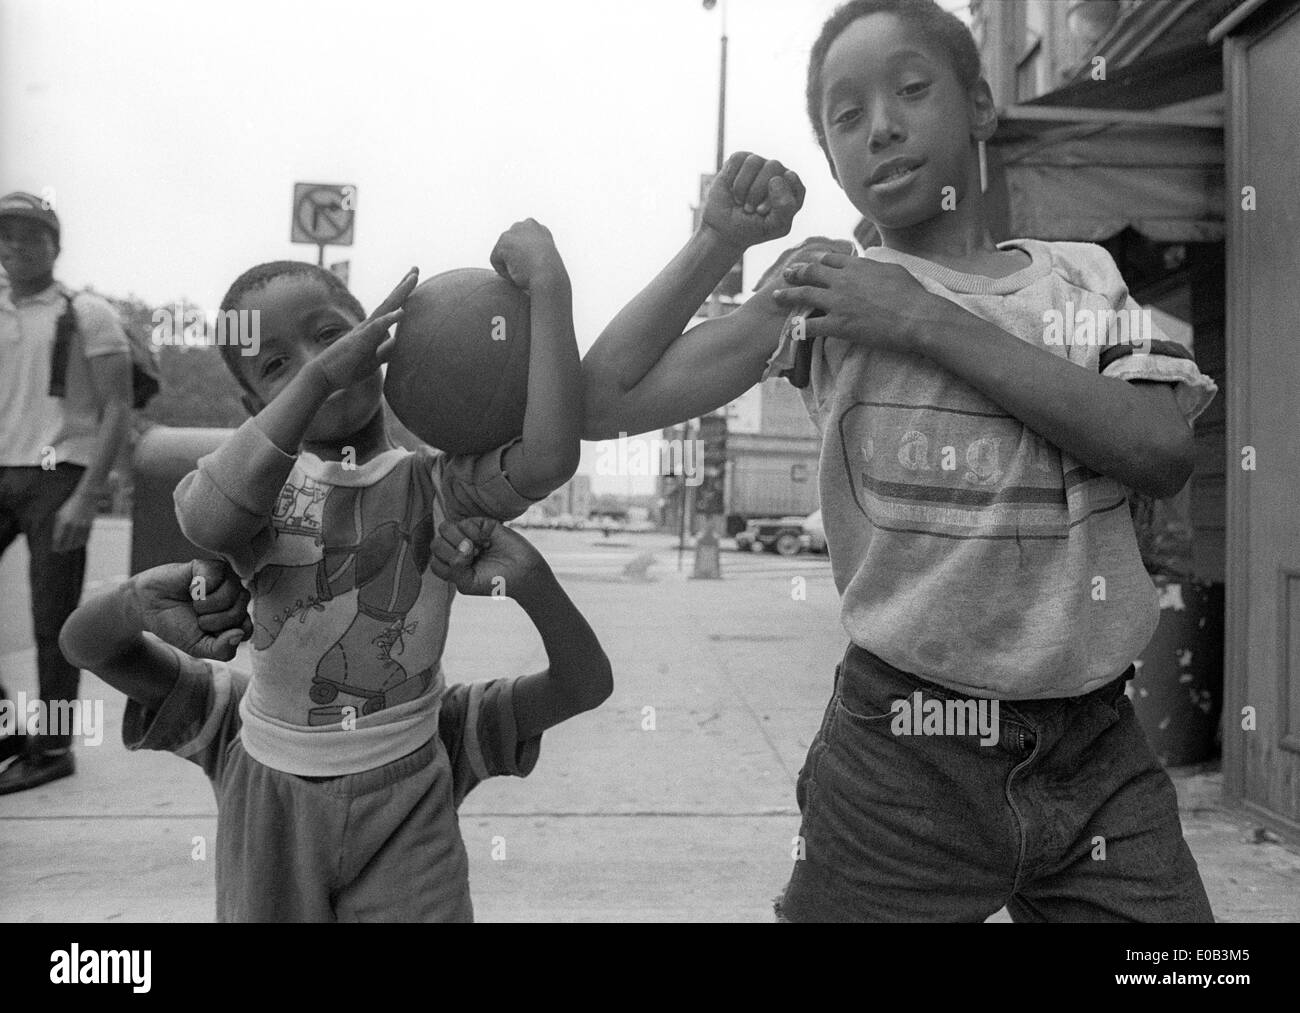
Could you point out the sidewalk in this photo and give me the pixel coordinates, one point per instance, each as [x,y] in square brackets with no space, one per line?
[690,821]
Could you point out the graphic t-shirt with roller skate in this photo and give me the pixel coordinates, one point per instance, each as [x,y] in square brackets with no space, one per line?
[348,621]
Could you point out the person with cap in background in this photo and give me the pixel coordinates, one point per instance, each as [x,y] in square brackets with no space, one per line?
[57,444]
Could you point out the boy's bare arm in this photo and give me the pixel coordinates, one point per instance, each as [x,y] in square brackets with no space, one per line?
[752,201]
[547,456]
[482,557]
[198,607]
[105,636]
[1132,431]
[578,677]
[710,365]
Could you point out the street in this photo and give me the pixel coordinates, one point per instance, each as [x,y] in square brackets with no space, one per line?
[674,801]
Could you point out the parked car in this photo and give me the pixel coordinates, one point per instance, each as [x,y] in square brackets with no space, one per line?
[533,517]
[814,533]
[782,535]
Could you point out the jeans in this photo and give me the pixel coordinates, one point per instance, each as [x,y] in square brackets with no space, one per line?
[29,500]
[1067,816]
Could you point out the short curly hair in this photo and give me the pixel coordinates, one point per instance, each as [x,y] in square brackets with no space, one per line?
[261,276]
[938,26]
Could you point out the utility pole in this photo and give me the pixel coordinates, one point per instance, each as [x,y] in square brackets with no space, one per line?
[707,559]
[722,88]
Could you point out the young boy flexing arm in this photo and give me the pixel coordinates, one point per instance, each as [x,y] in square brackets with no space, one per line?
[333,529]
[974,478]
[310,502]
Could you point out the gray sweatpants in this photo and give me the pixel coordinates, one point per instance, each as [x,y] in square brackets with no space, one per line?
[381,845]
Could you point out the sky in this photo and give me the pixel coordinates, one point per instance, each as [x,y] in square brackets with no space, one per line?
[170,134]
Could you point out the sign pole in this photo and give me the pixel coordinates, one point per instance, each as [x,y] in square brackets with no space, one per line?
[722,91]
[324,214]
[710,499]
[681,482]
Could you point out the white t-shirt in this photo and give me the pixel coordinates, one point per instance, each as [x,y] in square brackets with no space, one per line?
[30,420]
[966,548]
[349,622]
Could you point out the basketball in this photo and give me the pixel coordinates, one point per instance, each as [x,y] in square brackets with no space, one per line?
[458,375]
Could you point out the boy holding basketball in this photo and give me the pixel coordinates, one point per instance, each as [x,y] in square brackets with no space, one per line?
[974,478]
[332,529]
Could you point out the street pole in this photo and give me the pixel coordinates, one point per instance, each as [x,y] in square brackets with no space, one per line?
[681,520]
[707,544]
[722,92]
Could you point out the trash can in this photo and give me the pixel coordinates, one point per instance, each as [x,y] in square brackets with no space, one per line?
[1178,690]
[165,455]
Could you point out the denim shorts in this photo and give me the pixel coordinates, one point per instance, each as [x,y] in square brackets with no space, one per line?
[1067,816]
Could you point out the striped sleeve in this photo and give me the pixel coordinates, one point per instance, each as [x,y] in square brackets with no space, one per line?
[1161,361]
[198,720]
[476,485]
[477,726]
[224,505]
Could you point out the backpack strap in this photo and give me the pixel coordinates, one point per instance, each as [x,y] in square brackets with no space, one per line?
[145,380]
[64,329]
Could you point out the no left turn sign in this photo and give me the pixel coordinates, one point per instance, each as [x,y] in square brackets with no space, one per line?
[324,213]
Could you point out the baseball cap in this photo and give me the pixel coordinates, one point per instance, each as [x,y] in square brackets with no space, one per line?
[26,205]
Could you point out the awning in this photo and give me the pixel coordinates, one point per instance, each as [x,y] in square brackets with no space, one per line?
[1141,147]
[1087,181]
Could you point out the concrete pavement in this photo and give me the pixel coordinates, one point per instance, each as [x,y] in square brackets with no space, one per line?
[674,801]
